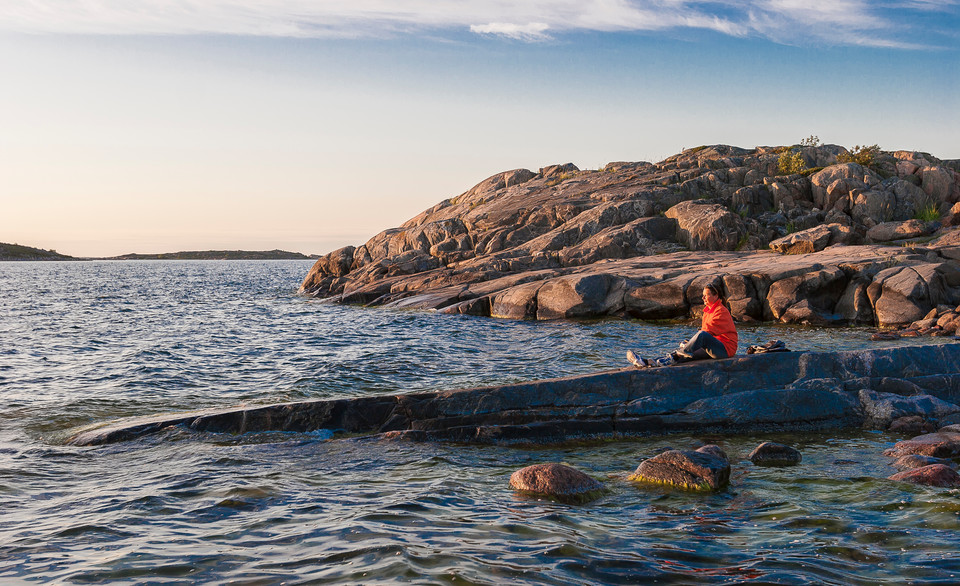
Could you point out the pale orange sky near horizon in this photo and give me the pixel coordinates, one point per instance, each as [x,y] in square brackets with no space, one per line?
[126,132]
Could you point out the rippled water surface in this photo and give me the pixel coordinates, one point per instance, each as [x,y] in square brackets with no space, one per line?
[82,343]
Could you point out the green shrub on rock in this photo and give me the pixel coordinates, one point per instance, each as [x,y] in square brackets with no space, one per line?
[865,156]
[791,163]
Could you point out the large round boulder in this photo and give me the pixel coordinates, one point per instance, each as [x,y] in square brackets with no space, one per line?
[553,480]
[693,470]
[589,295]
[898,295]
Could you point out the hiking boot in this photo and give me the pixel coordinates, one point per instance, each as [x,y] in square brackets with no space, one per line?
[668,360]
[640,362]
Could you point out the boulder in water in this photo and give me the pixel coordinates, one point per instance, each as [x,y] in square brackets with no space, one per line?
[938,445]
[911,461]
[688,469]
[932,475]
[774,454]
[554,480]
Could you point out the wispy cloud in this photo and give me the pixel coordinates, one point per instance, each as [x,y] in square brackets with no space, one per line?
[534,31]
[838,22]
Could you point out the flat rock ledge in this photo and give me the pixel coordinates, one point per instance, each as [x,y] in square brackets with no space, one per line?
[754,393]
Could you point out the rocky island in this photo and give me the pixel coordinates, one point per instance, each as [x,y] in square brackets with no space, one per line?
[19,252]
[812,233]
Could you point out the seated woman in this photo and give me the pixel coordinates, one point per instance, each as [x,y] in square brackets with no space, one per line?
[717,337]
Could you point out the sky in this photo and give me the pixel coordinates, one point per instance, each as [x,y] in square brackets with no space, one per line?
[307,125]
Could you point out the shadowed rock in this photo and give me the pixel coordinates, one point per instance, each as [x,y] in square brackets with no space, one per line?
[687,469]
[557,481]
[932,475]
[759,392]
[912,424]
[882,409]
[774,454]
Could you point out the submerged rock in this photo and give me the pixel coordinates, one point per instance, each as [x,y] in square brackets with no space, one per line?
[774,454]
[936,445]
[931,475]
[687,469]
[556,481]
[912,461]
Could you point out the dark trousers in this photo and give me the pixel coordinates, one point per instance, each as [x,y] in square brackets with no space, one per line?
[703,345]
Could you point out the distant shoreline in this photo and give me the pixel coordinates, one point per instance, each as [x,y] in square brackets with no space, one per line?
[16,252]
[216,255]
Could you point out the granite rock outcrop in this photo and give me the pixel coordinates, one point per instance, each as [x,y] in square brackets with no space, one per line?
[639,239]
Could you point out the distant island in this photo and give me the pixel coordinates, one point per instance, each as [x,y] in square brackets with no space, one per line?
[27,253]
[18,252]
[217,255]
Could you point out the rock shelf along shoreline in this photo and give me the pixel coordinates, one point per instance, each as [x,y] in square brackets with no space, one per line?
[761,392]
[838,240]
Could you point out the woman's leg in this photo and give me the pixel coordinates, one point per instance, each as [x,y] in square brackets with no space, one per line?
[703,345]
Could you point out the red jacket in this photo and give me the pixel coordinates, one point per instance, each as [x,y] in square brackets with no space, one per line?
[717,321]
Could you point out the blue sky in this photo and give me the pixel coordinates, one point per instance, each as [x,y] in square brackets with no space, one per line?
[309,125]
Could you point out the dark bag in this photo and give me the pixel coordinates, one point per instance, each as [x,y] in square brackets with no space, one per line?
[771,346]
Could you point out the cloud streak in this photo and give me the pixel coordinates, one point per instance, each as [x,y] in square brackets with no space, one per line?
[836,22]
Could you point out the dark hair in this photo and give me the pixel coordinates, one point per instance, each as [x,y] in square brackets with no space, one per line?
[713,289]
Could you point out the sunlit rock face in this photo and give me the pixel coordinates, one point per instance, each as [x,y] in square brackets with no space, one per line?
[701,469]
[638,239]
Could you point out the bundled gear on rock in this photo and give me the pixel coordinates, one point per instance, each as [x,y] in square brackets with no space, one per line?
[771,346]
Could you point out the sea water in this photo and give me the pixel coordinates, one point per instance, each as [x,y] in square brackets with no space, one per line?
[88,342]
